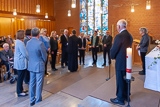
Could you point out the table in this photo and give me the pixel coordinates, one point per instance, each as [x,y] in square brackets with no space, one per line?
[152,64]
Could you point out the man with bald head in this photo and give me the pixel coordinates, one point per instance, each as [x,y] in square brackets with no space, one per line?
[118,52]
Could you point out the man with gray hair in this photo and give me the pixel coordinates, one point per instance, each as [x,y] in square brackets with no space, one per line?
[143,47]
[64,42]
[6,56]
[118,52]
[36,66]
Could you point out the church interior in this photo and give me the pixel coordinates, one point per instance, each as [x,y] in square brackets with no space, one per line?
[92,85]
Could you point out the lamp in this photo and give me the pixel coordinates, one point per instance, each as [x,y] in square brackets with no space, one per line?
[38,8]
[69,13]
[73,3]
[14,12]
[148,4]
[46,15]
[132,8]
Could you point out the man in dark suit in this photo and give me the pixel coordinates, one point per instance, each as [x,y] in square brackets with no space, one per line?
[107,43]
[118,52]
[94,45]
[82,47]
[64,42]
[6,56]
[73,52]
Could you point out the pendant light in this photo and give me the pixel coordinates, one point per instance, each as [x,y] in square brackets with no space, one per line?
[46,15]
[14,12]
[132,8]
[38,8]
[73,3]
[148,4]
[69,13]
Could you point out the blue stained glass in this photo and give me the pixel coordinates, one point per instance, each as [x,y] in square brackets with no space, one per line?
[90,16]
[84,14]
[83,17]
[98,15]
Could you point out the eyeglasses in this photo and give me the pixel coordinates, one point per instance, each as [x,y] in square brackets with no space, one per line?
[45,31]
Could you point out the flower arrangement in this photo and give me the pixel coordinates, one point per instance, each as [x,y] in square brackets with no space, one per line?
[157,42]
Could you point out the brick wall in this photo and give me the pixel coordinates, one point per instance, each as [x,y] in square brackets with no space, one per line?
[118,9]
[150,19]
[62,21]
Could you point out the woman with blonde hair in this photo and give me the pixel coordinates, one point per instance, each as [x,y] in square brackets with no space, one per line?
[20,62]
[45,40]
[54,48]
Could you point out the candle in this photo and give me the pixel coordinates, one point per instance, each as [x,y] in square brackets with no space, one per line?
[129,63]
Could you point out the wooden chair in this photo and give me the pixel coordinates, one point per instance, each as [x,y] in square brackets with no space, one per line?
[3,71]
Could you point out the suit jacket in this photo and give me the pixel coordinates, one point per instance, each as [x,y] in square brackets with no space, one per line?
[20,56]
[107,41]
[97,41]
[53,44]
[37,55]
[144,43]
[118,51]
[64,41]
[80,43]
[4,55]
[26,39]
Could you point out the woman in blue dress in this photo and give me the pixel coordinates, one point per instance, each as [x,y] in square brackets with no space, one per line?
[46,42]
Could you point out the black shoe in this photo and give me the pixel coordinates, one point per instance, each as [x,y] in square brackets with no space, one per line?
[116,101]
[19,95]
[141,73]
[93,63]
[55,69]
[104,64]
[33,103]
[62,66]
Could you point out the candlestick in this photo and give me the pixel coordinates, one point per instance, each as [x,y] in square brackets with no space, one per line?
[129,63]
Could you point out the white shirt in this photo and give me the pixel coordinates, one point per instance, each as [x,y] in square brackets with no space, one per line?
[122,30]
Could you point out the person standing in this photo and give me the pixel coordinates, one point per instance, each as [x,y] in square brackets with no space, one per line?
[26,39]
[118,52]
[107,43]
[143,47]
[36,66]
[73,52]
[20,62]
[54,48]
[94,45]
[64,42]
[82,48]
[46,42]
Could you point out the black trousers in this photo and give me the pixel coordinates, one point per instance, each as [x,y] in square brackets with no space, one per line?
[53,59]
[26,76]
[21,74]
[121,85]
[105,51]
[94,54]
[6,64]
[82,55]
[64,57]
[46,63]
[143,54]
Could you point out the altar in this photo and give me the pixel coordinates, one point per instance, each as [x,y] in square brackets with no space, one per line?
[152,64]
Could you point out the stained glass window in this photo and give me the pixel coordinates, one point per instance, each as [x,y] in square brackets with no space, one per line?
[91,18]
